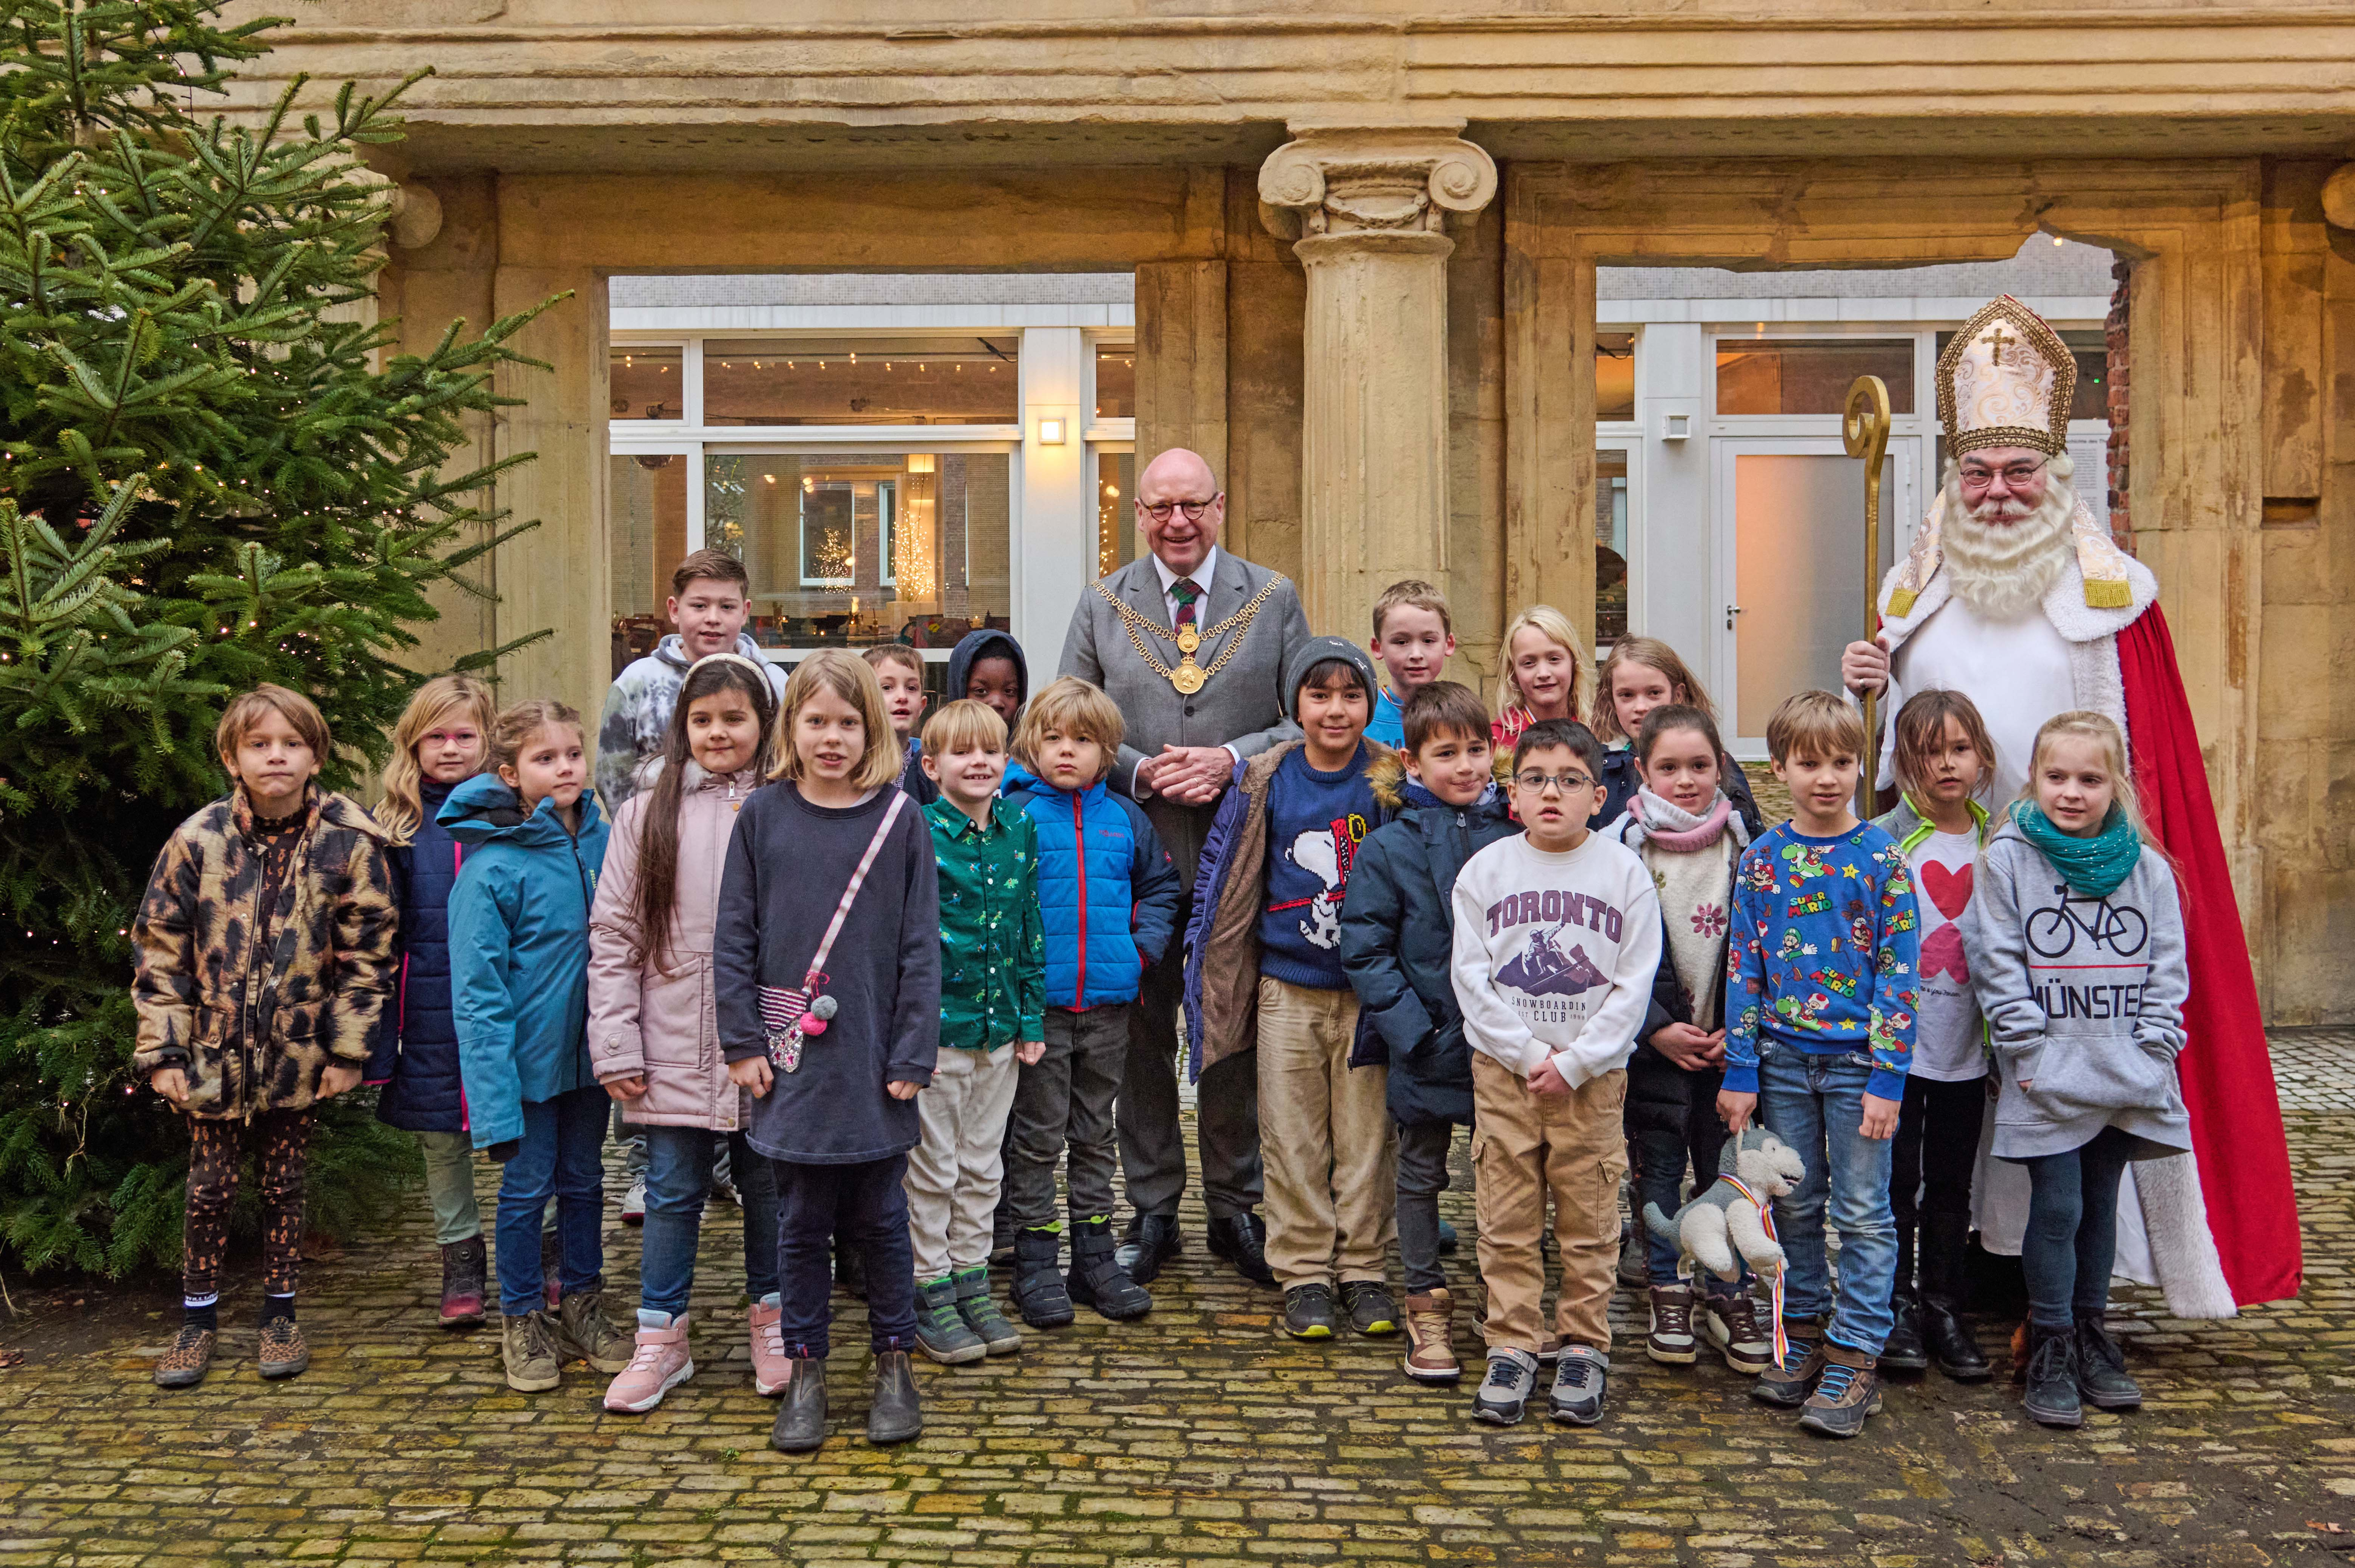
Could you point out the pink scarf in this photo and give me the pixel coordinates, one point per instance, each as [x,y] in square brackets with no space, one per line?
[1653,820]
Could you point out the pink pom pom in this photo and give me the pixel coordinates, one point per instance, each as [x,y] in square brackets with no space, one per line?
[812,1024]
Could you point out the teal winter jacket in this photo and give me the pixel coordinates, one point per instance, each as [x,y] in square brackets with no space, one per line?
[519,952]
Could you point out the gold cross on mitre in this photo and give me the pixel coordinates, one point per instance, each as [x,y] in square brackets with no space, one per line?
[1996,340]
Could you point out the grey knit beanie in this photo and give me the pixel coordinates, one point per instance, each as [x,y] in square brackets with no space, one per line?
[1315,651]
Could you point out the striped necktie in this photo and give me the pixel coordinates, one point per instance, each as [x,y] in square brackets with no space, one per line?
[1184,591]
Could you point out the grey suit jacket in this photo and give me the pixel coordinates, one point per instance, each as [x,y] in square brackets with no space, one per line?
[1241,707]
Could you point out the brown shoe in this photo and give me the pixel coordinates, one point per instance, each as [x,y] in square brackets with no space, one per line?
[183,1365]
[1671,1340]
[582,1330]
[284,1353]
[1430,1332]
[1848,1391]
[1790,1383]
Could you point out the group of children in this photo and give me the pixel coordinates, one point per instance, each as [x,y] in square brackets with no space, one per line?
[882,961]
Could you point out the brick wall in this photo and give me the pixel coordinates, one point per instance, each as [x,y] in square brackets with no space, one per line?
[2121,369]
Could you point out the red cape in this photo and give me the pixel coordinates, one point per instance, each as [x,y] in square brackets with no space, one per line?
[2226,1068]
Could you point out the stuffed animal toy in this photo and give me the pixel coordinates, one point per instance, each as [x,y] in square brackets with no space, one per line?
[1728,1216]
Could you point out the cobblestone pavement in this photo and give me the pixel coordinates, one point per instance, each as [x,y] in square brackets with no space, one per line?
[1199,1436]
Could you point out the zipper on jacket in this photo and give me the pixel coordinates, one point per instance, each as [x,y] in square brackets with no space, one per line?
[588,901]
[1080,836]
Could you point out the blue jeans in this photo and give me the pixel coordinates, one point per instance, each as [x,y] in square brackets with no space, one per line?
[867,1206]
[561,1138]
[679,1181]
[1816,1104]
[2071,1239]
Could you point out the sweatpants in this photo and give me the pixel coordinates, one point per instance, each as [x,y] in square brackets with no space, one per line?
[866,1204]
[1524,1147]
[216,1145]
[1422,1149]
[955,1173]
[1326,1138]
[1065,1100]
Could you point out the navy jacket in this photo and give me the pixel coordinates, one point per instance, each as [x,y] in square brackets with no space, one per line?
[1107,892]
[416,1054]
[1620,782]
[1397,936]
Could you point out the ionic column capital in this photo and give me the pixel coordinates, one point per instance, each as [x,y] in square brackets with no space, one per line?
[1335,180]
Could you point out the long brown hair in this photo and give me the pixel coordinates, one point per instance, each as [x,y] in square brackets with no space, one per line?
[1920,734]
[656,899]
[1684,690]
[402,809]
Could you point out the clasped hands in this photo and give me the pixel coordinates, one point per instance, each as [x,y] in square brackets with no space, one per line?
[1188,775]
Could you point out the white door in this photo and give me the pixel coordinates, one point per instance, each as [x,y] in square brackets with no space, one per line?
[1789,526]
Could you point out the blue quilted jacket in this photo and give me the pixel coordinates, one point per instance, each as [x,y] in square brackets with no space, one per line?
[1107,893]
[416,1055]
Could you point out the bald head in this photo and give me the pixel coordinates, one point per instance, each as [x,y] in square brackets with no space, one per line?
[1172,482]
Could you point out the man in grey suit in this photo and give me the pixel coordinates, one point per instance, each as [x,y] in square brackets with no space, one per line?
[1190,645]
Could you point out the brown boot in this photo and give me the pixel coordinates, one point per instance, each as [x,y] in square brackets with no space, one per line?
[1848,1391]
[1430,1332]
[1791,1383]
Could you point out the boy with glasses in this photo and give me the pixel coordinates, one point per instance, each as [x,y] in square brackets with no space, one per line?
[1557,940]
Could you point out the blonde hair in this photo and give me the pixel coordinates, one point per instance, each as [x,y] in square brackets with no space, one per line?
[1554,626]
[1651,653]
[964,726]
[853,679]
[2085,725]
[1820,724]
[900,654]
[246,710]
[1419,595]
[1074,708]
[512,731]
[402,809]
[1920,733]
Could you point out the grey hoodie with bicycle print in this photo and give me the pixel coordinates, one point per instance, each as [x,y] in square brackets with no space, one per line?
[2084,999]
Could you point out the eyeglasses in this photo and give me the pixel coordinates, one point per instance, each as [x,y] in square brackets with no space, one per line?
[1535,782]
[1159,511]
[2014,476]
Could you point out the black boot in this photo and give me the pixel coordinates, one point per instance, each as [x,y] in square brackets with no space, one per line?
[1241,1239]
[801,1415]
[1953,1349]
[2102,1369]
[1039,1292]
[1902,1351]
[2052,1376]
[895,1415]
[1152,1240]
[1097,1279]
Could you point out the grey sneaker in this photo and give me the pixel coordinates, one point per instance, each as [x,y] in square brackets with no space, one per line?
[1504,1394]
[527,1349]
[1579,1376]
[582,1330]
[942,1332]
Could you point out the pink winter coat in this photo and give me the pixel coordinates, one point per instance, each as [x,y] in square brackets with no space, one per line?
[662,1023]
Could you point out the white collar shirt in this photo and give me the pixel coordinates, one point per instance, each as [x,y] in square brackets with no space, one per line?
[1202,575]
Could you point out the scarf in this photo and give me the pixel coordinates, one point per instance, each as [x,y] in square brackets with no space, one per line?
[1654,820]
[2092,867]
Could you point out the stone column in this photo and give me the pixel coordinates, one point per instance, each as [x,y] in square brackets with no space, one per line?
[1368,208]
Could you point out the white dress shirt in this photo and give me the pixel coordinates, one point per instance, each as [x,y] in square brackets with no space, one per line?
[1202,575]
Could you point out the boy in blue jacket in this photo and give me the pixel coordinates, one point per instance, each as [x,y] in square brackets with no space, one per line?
[1397,937]
[1108,902]
[519,993]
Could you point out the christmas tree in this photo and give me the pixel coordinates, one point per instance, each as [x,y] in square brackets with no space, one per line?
[214,471]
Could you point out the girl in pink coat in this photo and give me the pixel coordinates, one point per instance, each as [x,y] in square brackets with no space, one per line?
[651,1030]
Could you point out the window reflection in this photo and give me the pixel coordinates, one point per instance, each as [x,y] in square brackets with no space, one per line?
[1809,376]
[646,382]
[862,381]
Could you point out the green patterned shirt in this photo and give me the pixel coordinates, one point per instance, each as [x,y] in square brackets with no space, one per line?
[993,946]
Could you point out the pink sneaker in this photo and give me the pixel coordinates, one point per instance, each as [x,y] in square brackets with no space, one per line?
[772,1368]
[659,1364]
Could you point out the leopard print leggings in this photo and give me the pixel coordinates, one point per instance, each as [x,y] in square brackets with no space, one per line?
[279,1140]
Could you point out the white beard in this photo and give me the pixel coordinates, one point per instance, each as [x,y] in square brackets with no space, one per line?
[2003,560]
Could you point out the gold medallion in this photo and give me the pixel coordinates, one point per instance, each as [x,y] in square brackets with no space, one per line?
[1188,639]
[1188,676]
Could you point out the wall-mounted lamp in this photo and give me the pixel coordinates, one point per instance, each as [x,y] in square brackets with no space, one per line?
[920,463]
[1676,427]
[1050,432]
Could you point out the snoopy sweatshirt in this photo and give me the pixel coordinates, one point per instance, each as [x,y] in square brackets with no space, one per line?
[1555,953]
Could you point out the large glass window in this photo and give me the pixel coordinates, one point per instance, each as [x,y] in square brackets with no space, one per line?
[1115,380]
[647,382]
[646,497]
[852,548]
[862,381]
[1116,511]
[1809,376]
[1615,375]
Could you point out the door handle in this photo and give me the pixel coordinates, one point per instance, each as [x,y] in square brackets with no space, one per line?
[1731,612]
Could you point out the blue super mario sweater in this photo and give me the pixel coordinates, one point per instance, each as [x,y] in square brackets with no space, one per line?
[1823,953]
[1107,893]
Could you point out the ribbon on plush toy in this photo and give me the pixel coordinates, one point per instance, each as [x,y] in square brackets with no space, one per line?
[1767,1221]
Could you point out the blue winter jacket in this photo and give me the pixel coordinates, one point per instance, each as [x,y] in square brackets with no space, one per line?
[1107,892]
[519,952]
[416,1054]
